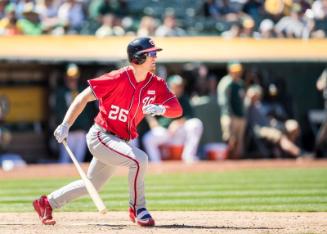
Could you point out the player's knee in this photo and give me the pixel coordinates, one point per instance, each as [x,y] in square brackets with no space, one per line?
[142,158]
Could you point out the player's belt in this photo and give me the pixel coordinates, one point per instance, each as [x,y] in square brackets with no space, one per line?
[109,132]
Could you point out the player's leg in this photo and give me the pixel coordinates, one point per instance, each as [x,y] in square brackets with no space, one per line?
[115,151]
[98,173]
[152,140]
[289,147]
[138,212]
[237,132]
[193,129]
[225,122]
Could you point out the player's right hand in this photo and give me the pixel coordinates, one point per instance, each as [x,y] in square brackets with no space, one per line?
[153,109]
[61,132]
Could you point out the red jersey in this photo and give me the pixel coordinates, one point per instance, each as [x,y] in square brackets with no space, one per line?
[121,99]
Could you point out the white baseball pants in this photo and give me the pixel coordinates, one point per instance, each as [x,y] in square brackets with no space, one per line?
[108,152]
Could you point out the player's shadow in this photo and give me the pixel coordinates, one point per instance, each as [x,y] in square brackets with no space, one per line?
[113,226]
[183,226]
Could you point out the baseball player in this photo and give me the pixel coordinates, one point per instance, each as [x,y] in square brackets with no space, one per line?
[125,96]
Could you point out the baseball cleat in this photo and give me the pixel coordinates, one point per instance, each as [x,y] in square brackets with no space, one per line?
[142,218]
[44,210]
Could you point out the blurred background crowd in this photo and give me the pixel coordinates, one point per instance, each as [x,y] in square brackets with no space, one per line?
[239,112]
[226,18]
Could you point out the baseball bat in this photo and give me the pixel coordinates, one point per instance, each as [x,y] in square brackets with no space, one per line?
[88,184]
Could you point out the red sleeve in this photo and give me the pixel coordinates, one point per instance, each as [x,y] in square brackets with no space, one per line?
[168,99]
[173,108]
[104,84]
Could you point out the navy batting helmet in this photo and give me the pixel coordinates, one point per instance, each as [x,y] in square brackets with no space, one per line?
[138,48]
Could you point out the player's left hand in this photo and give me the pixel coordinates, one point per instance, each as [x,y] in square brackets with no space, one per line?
[154,110]
[61,132]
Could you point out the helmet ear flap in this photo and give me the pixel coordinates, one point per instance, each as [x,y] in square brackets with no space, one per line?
[139,58]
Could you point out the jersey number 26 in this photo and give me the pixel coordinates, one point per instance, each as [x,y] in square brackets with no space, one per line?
[118,113]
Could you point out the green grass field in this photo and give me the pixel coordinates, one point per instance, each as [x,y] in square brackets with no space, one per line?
[245,190]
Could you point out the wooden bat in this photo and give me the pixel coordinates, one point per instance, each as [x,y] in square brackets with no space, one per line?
[88,184]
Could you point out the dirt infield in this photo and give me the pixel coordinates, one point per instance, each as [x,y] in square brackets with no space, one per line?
[168,222]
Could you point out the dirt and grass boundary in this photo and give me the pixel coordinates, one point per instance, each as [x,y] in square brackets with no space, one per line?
[168,221]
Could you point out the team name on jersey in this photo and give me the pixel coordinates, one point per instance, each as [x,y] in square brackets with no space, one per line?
[148,100]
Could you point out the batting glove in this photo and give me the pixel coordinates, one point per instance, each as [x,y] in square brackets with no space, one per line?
[154,110]
[61,132]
